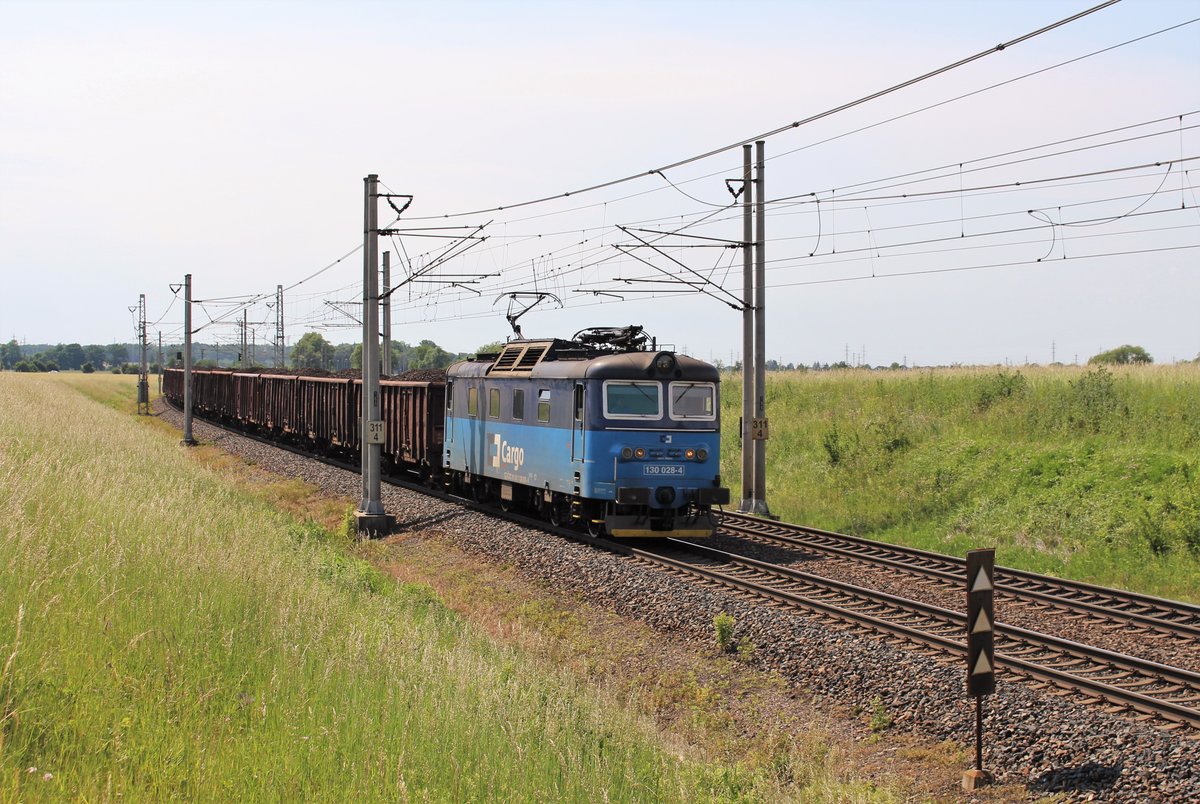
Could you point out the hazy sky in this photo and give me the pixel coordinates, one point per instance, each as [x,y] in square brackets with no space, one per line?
[143,141]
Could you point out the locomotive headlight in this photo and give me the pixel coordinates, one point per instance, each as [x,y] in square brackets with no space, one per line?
[689,453]
[702,454]
[626,453]
[665,362]
[639,453]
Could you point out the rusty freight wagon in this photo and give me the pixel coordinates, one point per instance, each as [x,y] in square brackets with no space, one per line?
[322,413]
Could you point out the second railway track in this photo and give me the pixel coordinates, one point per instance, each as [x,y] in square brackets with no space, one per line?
[1145,613]
[1168,694]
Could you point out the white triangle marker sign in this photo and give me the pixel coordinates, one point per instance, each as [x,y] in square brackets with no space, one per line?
[982,666]
[982,582]
[982,623]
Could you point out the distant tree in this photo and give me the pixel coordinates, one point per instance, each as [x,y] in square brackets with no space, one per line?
[87,367]
[25,365]
[312,351]
[490,348]
[117,354]
[428,354]
[10,354]
[94,353]
[1122,356]
[341,356]
[71,356]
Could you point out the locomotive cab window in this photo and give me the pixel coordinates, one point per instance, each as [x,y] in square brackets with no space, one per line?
[544,405]
[632,400]
[518,404]
[493,403]
[472,401]
[693,400]
[578,403]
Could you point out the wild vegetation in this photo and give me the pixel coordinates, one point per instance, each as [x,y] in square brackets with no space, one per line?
[167,634]
[1087,472]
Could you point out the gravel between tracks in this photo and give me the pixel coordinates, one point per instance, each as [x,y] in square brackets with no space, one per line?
[1048,743]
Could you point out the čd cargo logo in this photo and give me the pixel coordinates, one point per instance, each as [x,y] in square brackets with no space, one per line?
[507,455]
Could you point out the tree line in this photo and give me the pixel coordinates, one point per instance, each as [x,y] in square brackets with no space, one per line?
[64,357]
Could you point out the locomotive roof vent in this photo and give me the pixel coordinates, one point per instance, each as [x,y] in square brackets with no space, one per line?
[521,356]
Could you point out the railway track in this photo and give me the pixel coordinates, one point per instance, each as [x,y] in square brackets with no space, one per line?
[1123,683]
[1153,616]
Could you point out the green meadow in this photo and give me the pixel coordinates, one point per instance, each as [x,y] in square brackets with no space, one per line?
[166,633]
[1082,472]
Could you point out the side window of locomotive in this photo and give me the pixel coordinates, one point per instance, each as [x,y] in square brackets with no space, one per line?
[450,397]
[518,404]
[693,400]
[472,401]
[632,400]
[543,404]
[578,403]
[493,403]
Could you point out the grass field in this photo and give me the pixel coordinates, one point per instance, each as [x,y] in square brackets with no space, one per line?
[1082,472]
[166,633]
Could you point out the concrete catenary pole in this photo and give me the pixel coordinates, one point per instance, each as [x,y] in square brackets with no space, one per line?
[760,334]
[747,503]
[386,310]
[279,359]
[144,372]
[372,520]
[160,363]
[187,362]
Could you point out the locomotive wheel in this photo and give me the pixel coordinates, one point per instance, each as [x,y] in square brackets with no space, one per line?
[556,512]
[596,528]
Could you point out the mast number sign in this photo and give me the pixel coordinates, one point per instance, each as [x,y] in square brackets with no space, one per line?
[758,429]
[375,432]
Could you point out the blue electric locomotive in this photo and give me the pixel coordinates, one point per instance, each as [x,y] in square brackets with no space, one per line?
[598,429]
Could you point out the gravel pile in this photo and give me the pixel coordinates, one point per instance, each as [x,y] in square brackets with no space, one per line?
[1047,743]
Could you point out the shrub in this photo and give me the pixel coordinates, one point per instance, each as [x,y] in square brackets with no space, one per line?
[723,628]
[835,448]
[87,368]
[880,719]
[999,386]
[1093,399]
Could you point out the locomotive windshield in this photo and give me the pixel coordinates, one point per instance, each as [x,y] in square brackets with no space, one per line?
[632,400]
[693,400]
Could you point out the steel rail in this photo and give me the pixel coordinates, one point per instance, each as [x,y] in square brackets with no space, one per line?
[1019,583]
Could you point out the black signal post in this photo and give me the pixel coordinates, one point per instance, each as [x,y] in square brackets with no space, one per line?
[981,649]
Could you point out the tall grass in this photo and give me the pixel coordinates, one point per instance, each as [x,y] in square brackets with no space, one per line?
[1079,471]
[165,635]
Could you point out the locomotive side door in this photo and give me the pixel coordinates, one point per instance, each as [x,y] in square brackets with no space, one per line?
[577,440]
